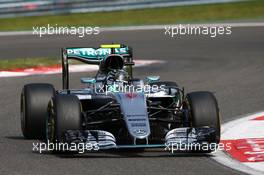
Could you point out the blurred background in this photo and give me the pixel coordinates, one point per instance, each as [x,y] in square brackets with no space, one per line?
[17,15]
[11,8]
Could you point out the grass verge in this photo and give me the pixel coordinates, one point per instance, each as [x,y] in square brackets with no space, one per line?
[179,14]
[10,64]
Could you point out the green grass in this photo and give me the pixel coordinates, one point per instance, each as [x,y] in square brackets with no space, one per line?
[181,14]
[27,63]
[10,64]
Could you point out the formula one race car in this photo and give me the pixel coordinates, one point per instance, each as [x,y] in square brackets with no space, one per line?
[116,110]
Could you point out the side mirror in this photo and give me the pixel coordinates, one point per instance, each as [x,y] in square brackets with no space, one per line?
[151,79]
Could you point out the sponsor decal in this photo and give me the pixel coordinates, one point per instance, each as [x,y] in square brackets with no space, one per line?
[131,95]
[91,52]
[140,131]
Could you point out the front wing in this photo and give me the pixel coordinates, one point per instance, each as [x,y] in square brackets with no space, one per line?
[186,137]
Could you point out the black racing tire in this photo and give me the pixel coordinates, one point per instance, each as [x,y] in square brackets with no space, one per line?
[204,111]
[64,114]
[33,109]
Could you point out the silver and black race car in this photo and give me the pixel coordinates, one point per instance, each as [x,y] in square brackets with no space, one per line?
[116,110]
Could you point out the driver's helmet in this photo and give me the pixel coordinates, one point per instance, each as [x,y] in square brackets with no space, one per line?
[121,75]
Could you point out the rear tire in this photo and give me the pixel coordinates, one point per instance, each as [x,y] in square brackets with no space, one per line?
[33,108]
[204,111]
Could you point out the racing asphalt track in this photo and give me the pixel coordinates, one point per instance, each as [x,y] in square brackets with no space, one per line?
[230,66]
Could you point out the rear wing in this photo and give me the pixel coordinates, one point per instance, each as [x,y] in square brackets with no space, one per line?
[94,56]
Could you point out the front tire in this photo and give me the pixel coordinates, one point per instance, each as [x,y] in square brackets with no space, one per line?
[204,111]
[34,102]
[64,114]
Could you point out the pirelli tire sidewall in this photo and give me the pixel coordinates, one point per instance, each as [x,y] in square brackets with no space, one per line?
[67,115]
[33,109]
[204,111]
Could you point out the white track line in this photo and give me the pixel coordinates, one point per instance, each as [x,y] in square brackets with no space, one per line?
[151,27]
[225,159]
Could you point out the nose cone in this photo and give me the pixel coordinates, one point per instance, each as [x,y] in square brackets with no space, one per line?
[134,110]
